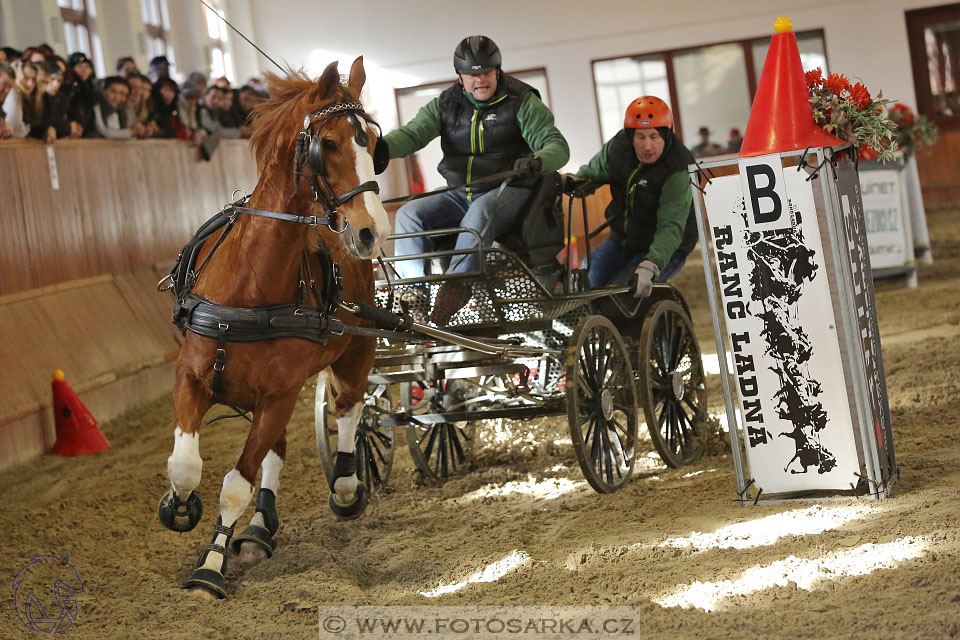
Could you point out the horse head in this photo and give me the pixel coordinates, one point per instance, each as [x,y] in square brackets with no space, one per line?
[316,137]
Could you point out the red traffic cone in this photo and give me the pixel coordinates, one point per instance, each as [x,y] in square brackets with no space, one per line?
[574,254]
[781,118]
[77,430]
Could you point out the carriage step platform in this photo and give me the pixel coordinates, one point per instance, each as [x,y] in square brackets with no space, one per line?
[516,413]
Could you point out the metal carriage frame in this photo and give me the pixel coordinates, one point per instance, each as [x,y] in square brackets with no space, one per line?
[528,344]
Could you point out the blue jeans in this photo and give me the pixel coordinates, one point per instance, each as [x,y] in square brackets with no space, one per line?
[491,214]
[610,264]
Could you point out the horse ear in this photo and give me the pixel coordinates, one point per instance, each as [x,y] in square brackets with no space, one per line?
[357,76]
[329,80]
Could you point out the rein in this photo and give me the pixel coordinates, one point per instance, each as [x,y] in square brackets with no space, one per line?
[506,176]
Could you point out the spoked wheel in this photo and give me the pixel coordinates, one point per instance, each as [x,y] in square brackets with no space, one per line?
[374,441]
[440,450]
[672,384]
[601,404]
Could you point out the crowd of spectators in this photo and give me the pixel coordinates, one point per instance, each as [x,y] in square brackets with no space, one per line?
[47,97]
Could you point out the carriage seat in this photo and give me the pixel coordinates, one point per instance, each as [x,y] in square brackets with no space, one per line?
[537,237]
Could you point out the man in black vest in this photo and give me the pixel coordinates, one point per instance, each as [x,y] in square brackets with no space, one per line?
[652,223]
[488,122]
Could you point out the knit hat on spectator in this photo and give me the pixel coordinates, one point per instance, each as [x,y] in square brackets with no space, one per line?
[76,58]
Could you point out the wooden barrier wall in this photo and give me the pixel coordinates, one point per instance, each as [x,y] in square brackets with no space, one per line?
[120,206]
[78,275]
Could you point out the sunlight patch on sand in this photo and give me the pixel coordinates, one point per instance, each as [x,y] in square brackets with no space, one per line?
[546,489]
[490,573]
[801,573]
[769,529]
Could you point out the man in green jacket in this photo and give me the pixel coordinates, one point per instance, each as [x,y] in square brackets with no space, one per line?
[488,122]
[652,223]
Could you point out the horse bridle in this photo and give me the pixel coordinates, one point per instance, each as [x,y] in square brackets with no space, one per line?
[309,152]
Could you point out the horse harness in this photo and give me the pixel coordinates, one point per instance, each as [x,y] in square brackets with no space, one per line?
[291,320]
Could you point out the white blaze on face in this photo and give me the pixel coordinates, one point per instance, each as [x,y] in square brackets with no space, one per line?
[371,200]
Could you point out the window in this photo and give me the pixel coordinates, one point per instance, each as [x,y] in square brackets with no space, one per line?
[76,16]
[156,23]
[934,36]
[220,63]
[421,166]
[708,86]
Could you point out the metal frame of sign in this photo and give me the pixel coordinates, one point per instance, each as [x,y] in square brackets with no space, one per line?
[874,481]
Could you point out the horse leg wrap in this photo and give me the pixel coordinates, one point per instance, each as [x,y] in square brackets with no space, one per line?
[262,536]
[344,467]
[178,515]
[208,575]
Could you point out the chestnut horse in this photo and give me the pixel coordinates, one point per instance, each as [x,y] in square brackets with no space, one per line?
[260,264]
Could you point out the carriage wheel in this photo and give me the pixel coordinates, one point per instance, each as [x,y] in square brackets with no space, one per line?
[601,404]
[374,442]
[441,450]
[672,384]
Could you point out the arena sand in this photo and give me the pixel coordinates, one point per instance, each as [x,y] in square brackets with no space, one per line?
[844,569]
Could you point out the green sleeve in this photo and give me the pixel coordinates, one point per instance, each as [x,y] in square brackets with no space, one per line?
[417,133]
[675,200]
[541,135]
[596,169]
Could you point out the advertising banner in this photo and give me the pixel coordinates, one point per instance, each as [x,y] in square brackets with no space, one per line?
[780,325]
[884,219]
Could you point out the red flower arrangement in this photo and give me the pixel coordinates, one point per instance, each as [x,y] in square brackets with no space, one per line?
[912,130]
[849,112]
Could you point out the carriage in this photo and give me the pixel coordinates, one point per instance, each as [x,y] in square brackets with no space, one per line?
[532,341]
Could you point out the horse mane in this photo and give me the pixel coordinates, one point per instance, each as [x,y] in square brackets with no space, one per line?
[277,121]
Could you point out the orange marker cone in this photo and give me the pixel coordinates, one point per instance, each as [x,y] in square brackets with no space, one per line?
[77,430]
[574,254]
[781,118]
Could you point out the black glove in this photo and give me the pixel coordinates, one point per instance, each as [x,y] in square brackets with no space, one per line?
[531,164]
[571,183]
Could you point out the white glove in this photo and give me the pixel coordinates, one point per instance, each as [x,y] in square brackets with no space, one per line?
[646,273]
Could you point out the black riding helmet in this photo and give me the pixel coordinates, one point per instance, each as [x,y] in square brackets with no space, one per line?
[475,55]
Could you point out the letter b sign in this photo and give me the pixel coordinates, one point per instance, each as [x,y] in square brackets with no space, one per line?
[764,194]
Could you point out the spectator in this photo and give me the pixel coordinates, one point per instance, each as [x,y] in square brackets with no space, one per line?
[46,49]
[3,55]
[735,141]
[706,148]
[33,54]
[247,99]
[11,54]
[257,84]
[21,104]
[222,82]
[137,106]
[126,67]
[198,81]
[54,121]
[8,79]
[109,117]
[189,102]
[210,114]
[165,112]
[83,90]
[159,68]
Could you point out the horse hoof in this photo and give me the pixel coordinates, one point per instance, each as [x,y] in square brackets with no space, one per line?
[353,509]
[255,536]
[207,584]
[180,516]
[251,554]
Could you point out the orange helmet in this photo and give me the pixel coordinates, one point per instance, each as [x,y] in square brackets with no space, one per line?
[648,112]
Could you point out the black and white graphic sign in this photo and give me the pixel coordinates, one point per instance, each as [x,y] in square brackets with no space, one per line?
[851,203]
[780,326]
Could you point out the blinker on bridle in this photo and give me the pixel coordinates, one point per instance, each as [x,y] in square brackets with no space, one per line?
[309,152]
